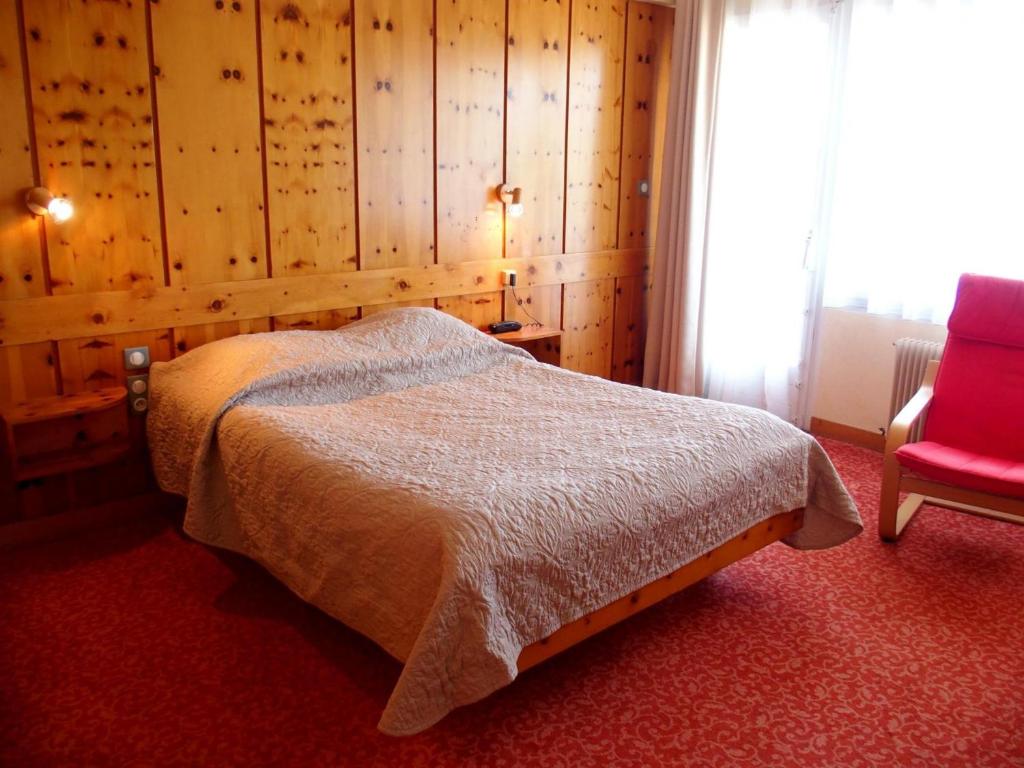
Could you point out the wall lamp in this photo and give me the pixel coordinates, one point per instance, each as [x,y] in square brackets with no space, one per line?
[42,202]
[512,197]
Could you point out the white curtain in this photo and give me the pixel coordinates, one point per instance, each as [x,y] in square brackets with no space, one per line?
[774,92]
[673,357]
[930,174]
[864,151]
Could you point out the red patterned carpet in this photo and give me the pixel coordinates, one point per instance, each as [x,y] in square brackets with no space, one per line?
[135,647]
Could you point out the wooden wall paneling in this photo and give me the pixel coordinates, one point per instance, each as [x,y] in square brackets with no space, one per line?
[192,336]
[629,330]
[594,125]
[90,92]
[545,350]
[642,41]
[648,49]
[307,83]
[186,337]
[394,107]
[664,21]
[587,333]
[538,65]
[375,308]
[538,303]
[307,80]
[208,97]
[72,316]
[470,146]
[90,75]
[327,320]
[98,361]
[26,371]
[470,126]
[479,310]
[21,260]
[207,89]
[538,61]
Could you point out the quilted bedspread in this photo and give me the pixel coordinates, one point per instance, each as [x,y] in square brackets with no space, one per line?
[455,500]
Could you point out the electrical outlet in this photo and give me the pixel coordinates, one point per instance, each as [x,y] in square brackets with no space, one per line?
[508,278]
[136,358]
[138,393]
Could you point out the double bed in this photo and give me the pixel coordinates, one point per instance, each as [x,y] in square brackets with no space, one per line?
[469,509]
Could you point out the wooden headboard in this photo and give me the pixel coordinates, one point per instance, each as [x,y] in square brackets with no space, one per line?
[245,166]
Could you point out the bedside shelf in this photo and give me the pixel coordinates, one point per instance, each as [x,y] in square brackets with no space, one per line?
[541,341]
[62,406]
[58,435]
[70,460]
[528,333]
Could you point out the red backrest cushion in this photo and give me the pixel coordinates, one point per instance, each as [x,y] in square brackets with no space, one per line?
[979,392]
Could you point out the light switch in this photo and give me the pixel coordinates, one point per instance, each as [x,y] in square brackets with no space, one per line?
[135,358]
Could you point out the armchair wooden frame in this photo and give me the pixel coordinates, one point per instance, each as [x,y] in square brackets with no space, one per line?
[893,516]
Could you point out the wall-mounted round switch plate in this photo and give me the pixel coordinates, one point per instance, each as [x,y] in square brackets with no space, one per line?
[135,358]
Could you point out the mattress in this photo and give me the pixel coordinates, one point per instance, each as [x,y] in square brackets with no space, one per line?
[453,499]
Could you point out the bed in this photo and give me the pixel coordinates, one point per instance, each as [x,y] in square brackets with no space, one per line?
[469,509]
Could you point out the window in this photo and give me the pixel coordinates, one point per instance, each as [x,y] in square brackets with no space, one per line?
[929,171]
[768,145]
[865,153]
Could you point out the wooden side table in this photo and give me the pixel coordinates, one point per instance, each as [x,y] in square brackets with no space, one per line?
[58,435]
[542,342]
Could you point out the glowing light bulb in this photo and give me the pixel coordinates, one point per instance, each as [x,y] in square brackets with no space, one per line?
[42,202]
[60,209]
[512,197]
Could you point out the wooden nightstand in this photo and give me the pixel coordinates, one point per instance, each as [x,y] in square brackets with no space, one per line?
[542,342]
[59,435]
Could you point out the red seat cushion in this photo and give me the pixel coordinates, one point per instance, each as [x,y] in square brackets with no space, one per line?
[978,404]
[964,468]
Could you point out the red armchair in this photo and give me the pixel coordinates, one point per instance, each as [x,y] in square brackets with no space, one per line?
[971,457]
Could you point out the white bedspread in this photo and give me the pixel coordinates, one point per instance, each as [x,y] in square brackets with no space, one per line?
[456,501]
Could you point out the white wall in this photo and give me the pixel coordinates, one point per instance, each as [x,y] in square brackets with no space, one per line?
[856,358]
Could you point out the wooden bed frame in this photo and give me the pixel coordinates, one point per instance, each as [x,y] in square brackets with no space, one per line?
[754,538]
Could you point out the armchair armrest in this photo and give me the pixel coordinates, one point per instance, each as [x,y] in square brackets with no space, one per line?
[905,420]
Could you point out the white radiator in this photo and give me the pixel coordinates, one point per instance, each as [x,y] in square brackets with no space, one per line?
[912,356]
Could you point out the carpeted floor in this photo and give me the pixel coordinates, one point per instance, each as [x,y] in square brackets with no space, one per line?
[133,646]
